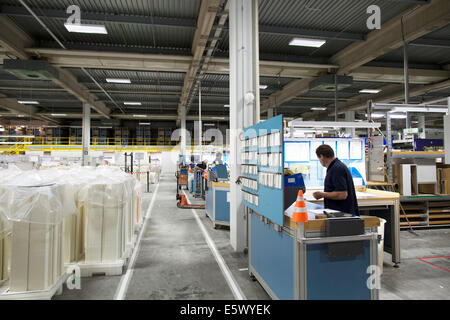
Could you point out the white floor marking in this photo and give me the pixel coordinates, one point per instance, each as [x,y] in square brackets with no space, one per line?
[125,280]
[237,292]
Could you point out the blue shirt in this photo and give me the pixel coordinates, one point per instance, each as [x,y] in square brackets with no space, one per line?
[339,178]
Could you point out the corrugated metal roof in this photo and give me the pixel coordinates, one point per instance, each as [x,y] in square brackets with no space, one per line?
[163,8]
[342,15]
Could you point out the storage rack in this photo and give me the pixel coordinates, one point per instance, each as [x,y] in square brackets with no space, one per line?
[53,136]
[147,136]
[425,211]
[76,135]
[139,136]
[118,136]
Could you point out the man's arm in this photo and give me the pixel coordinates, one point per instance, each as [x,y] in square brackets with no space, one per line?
[335,195]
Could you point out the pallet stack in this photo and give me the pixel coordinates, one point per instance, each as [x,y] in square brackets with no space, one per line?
[76,136]
[161,137]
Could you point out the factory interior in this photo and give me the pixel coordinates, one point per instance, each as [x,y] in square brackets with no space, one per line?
[211,150]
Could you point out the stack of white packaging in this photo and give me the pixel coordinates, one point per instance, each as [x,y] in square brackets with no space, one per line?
[58,216]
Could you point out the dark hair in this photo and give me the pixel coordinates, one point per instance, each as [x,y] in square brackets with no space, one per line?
[325,150]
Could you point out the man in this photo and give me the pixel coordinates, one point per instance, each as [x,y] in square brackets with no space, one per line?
[202,166]
[218,158]
[339,190]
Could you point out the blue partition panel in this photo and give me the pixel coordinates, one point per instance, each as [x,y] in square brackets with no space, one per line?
[270,199]
[222,206]
[337,278]
[272,257]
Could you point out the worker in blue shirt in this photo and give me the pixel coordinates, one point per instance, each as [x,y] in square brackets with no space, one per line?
[202,166]
[339,191]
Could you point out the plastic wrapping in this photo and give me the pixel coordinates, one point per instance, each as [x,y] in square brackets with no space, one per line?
[47,196]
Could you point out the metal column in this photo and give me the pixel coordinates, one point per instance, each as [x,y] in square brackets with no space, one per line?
[336,111]
[447,134]
[350,117]
[422,126]
[183,131]
[269,113]
[406,80]
[86,134]
[200,126]
[242,36]
[389,146]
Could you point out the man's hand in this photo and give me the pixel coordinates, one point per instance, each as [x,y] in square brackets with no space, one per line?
[318,195]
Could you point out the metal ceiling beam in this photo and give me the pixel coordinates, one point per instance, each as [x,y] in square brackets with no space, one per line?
[13,39]
[16,108]
[206,17]
[414,24]
[176,23]
[168,116]
[65,79]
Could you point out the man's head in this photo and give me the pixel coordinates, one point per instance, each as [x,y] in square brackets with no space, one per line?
[218,155]
[205,161]
[325,154]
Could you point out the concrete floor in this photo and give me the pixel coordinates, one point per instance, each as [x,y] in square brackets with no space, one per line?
[175,262]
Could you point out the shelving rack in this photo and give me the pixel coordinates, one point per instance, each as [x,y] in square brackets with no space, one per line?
[425,211]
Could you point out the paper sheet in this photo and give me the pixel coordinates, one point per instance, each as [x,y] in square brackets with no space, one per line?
[298,152]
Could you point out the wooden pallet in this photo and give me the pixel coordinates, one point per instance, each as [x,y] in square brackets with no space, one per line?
[47,294]
[90,269]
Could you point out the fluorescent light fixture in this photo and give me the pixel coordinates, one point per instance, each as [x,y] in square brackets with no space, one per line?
[85,28]
[263,86]
[376,115]
[305,42]
[2,129]
[319,108]
[218,118]
[420,109]
[398,116]
[144,123]
[414,121]
[209,124]
[59,114]
[132,103]
[113,80]
[20,115]
[139,115]
[27,102]
[226,105]
[369,91]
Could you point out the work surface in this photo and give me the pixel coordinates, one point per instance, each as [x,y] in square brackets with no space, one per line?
[361,194]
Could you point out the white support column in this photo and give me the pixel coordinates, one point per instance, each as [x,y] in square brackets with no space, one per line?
[447,134]
[86,132]
[243,113]
[422,126]
[183,131]
[200,125]
[350,117]
[269,113]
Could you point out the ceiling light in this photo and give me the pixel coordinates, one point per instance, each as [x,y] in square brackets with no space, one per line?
[111,80]
[139,115]
[86,28]
[218,118]
[420,109]
[209,124]
[305,42]
[398,116]
[20,115]
[132,103]
[59,114]
[227,106]
[369,91]
[319,108]
[27,102]
[376,115]
[263,86]
[144,123]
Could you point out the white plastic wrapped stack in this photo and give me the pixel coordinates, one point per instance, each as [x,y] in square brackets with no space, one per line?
[64,215]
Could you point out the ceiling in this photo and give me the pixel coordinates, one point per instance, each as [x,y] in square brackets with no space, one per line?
[167,28]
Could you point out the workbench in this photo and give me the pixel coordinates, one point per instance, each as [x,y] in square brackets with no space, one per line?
[218,203]
[292,263]
[383,204]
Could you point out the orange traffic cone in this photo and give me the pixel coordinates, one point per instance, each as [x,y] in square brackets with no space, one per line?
[300,214]
[205,175]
